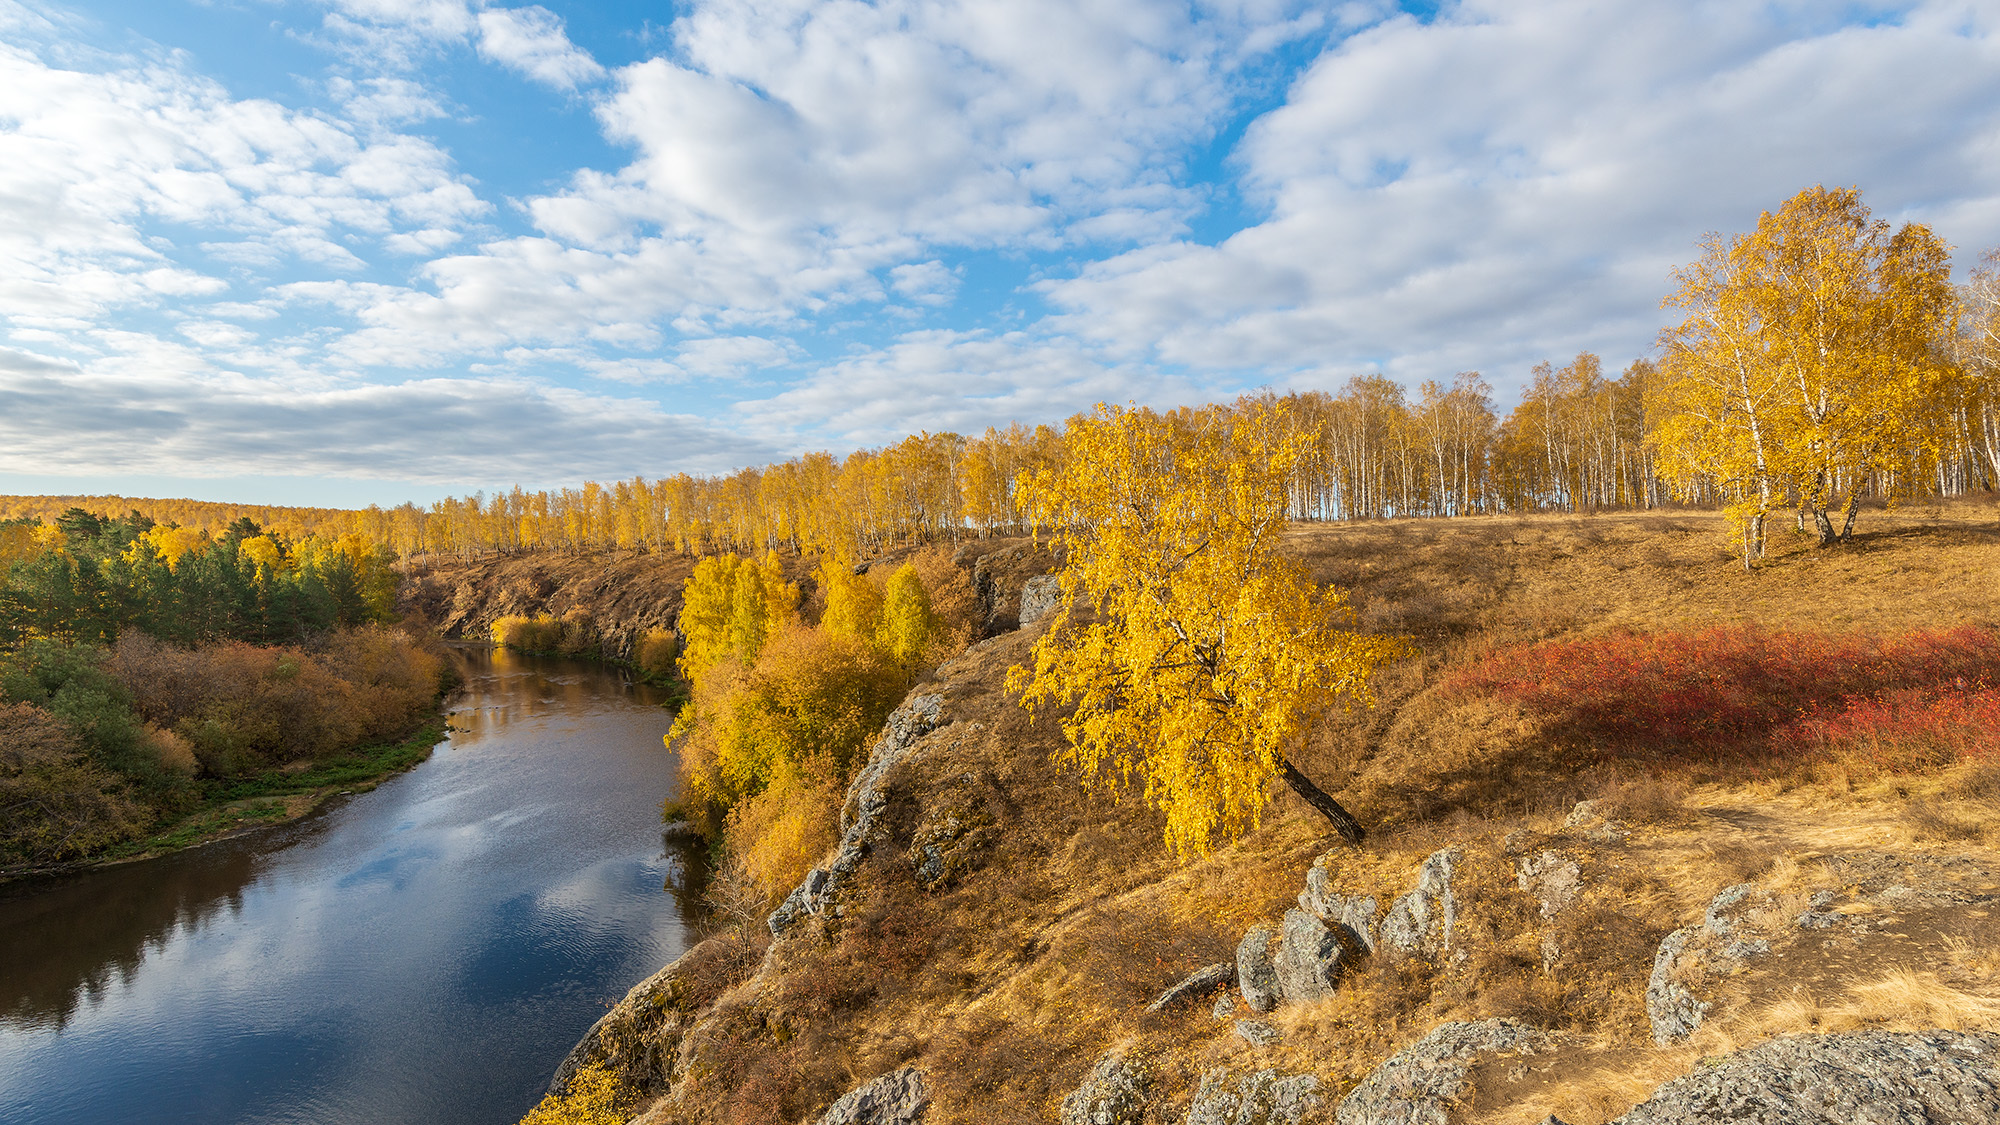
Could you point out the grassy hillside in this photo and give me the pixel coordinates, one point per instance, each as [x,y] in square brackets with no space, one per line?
[1057,917]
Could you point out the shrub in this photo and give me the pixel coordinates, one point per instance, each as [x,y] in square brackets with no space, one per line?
[540,633]
[55,802]
[780,833]
[655,653]
[1748,696]
[592,1099]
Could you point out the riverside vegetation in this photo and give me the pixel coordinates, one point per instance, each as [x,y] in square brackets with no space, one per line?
[157,688]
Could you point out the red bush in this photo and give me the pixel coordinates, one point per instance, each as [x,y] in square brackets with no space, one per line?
[1748,694]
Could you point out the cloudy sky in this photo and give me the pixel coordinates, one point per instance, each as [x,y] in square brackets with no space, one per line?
[343,251]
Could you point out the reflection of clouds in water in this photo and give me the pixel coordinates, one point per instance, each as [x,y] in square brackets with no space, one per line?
[443,938]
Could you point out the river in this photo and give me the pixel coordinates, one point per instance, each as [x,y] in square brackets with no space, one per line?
[425,952]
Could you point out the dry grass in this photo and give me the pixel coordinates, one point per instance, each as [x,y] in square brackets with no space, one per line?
[1060,923]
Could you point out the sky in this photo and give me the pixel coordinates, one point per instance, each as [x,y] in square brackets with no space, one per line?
[345,252]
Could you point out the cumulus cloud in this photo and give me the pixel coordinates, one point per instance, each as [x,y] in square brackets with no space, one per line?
[1513,182]
[532,41]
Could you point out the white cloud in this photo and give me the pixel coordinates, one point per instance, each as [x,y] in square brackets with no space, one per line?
[168,414]
[89,162]
[959,381]
[1513,182]
[928,283]
[532,41]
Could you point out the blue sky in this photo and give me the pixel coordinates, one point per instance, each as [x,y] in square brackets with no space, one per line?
[353,251]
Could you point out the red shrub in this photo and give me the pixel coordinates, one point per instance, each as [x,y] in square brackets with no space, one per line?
[1743,693]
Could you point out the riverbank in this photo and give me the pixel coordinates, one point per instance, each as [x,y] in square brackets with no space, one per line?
[233,806]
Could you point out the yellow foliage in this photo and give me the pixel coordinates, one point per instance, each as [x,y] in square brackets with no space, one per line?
[592,1099]
[730,605]
[1202,655]
[540,633]
[264,552]
[853,603]
[907,624]
[656,653]
[781,833]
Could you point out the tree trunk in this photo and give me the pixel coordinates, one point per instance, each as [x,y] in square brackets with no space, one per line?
[1343,822]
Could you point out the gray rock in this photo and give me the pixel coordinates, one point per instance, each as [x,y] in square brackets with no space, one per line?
[1852,1078]
[1265,1097]
[1420,922]
[1352,917]
[1194,986]
[866,798]
[1419,1084]
[1113,1093]
[1585,812]
[1255,974]
[1309,956]
[1039,597]
[896,1098]
[1673,1011]
[1257,1033]
[638,1038]
[1725,911]
[1225,1007]
[1553,878]
[1819,919]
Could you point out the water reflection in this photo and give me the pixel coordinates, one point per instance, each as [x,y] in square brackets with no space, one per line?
[424,952]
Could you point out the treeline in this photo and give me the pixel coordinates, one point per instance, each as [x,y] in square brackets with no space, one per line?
[86,579]
[147,670]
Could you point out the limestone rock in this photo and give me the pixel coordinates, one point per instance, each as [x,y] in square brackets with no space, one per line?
[1553,878]
[1673,1011]
[1225,1007]
[1420,922]
[1265,1097]
[896,1098]
[637,1038]
[1419,1083]
[866,798]
[1309,956]
[1257,1033]
[1194,986]
[1113,1093]
[1726,910]
[1352,917]
[1851,1078]
[1039,597]
[1255,974]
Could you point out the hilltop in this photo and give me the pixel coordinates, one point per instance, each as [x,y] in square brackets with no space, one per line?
[994,941]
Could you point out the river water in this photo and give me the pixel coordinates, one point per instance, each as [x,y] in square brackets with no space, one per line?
[425,952]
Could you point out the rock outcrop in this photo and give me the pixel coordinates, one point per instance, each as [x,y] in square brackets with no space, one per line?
[1419,1083]
[1039,598]
[1309,959]
[1195,986]
[1351,917]
[866,798]
[1113,1093]
[1673,1010]
[637,1038]
[1256,974]
[1265,1097]
[897,1098]
[1871,1077]
[1420,922]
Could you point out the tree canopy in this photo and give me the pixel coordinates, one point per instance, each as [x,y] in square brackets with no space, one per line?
[1193,656]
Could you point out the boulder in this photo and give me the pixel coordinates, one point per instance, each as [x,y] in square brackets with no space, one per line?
[1194,986]
[1850,1078]
[1256,976]
[1673,1011]
[896,1098]
[1351,917]
[1421,922]
[1419,1084]
[1308,961]
[1113,1093]
[1224,1009]
[1553,878]
[1265,1097]
[1039,598]
[867,796]
[1257,1033]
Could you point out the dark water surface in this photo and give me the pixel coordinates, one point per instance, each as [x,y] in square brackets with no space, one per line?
[426,952]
